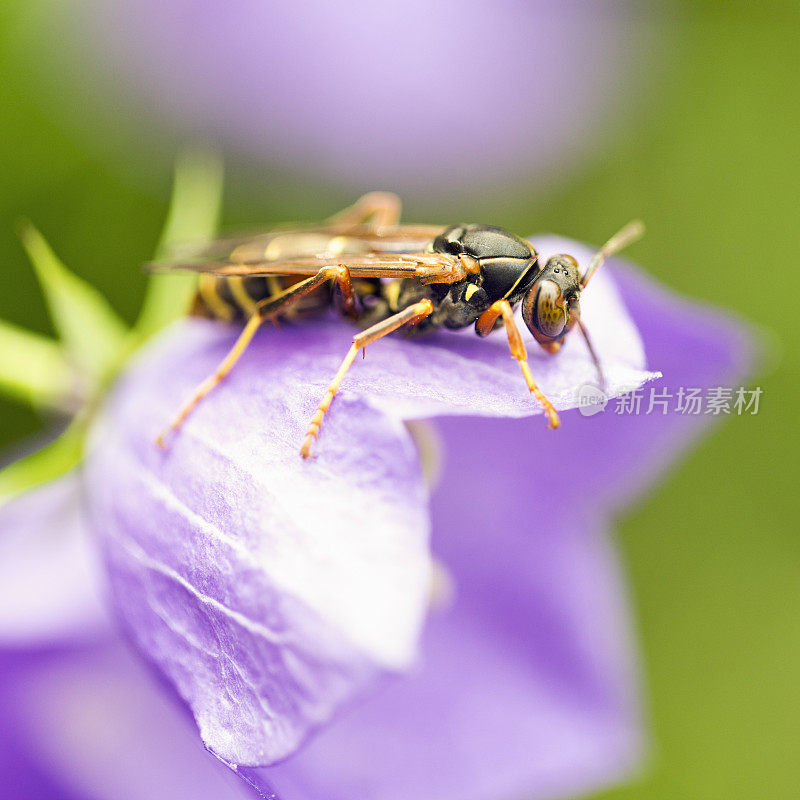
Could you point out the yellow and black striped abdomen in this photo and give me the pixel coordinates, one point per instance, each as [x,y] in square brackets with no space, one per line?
[235,299]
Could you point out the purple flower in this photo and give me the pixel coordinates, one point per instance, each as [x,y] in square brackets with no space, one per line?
[283,599]
[449,93]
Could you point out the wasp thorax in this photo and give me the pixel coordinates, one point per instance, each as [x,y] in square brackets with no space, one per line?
[507,264]
[481,242]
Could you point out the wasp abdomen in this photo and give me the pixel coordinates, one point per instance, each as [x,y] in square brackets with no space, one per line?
[235,299]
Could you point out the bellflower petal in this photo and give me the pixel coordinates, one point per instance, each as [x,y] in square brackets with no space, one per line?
[695,346]
[527,687]
[92,721]
[267,588]
[529,683]
[271,590]
[50,582]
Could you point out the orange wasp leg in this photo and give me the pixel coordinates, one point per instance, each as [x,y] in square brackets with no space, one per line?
[485,324]
[380,209]
[413,314]
[273,306]
[266,309]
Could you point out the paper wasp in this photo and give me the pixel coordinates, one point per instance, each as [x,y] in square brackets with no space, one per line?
[389,276]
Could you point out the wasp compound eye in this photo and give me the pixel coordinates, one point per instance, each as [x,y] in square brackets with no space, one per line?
[543,310]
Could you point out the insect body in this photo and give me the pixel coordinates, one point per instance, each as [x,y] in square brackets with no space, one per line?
[389,276]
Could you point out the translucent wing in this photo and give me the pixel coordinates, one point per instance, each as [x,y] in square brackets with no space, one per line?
[390,252]
[313,240]
[426,267]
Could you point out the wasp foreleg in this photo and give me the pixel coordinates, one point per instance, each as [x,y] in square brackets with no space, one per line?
[485,324]
[413,314]
[593,354]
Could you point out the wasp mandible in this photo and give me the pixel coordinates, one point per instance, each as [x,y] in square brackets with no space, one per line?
[389,276]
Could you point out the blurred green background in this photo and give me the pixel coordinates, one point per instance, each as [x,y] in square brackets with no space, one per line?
[711,160]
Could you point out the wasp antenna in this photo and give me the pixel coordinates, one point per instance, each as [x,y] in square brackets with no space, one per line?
[621,239]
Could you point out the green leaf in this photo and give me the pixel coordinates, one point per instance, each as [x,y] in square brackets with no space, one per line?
[192,219]
[34,369]
[50,462]
[89,328]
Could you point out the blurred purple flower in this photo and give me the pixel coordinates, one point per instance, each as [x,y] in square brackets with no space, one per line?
[421,93]
[42,545]
[526,685]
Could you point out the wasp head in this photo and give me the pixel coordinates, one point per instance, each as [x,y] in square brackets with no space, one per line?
[551,305]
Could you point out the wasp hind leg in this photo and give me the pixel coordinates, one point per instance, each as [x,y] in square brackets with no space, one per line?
[380,209]
[485,324]
[413,314]
[266,309]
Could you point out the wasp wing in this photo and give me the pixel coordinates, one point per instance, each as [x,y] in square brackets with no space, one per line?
[426,267]
[332,239]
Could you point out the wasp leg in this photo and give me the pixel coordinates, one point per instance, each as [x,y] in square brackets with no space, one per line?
[381,209]
[598,366]
[485,324]
[266,309]
[209,383]
[413,314]
[273,306]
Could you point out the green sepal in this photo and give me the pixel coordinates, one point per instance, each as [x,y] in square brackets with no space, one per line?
[192,219]
[34,369]
[91,331]
[46,464]
[94,338]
